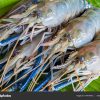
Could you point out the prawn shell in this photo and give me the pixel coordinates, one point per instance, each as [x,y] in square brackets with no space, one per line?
[83,29]
[56,12]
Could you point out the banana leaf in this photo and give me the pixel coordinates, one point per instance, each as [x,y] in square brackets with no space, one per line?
[5,10]
[5,3]
[95,3]
[94,86]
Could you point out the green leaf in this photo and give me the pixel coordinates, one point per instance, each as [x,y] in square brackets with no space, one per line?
[5,3]
[5,10]
[68,88]
[94,86]
[95,3]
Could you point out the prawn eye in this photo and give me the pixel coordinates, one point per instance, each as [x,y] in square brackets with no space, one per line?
[81,58]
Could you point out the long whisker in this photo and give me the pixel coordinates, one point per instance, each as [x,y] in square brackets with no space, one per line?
[19,79]
[37,77]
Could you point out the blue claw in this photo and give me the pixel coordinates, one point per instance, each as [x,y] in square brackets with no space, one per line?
[20,75]
[9,40]
[62,85]
[33,74]
[7,76]
[25,72]
[43,83]
[1,65]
